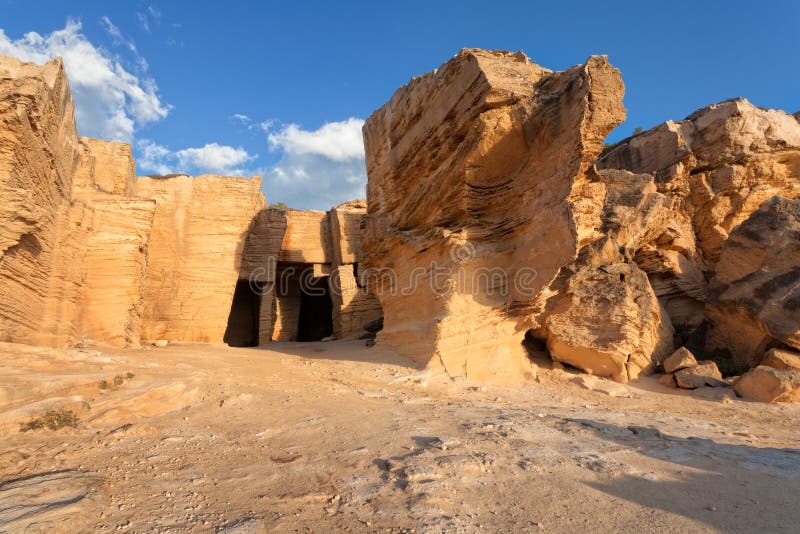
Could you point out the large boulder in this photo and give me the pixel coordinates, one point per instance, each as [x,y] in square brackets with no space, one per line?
[703,374]
[766,384]
[608,323]
[754,299]
[680,359]
[781,359]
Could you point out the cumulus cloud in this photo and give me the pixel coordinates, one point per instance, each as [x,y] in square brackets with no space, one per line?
[110,101]
[336,141]
[317,168]
[212,158]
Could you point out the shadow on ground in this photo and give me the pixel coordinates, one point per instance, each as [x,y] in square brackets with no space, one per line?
[762,484]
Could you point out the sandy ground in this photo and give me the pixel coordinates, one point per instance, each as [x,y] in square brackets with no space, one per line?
[336,436]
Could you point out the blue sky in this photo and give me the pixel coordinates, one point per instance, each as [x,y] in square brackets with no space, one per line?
[281,88]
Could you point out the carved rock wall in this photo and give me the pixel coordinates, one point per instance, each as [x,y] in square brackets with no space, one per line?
[194,257]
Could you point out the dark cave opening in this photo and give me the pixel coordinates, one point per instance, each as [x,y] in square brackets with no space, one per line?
[242,329]
[316,310]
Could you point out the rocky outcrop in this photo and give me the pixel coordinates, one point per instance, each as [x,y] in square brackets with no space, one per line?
[754,298]
[717,166]
[486,219]
[195,250]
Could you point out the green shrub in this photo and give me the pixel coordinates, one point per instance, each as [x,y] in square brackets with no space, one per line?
[53,420]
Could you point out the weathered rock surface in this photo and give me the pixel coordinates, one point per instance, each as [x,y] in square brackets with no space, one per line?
[352,305]
[194,260]
[37,154]
[766,384]
[307,238]
[705,373]
[680,359]
[781,359]
[754,299]
[604,317]
[345,223]
[106,166]
[717,166]
[481,190]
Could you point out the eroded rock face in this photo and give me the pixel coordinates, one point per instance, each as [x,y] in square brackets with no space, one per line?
[483,204]
[754,299]
[37,154]
[718,166]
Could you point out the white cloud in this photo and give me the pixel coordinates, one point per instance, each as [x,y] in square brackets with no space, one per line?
[337,141]
[212,158]
[318,168]
[120,40]
[145,16]
[110,101]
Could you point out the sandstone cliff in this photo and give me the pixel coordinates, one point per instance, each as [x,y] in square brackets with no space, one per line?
[481,192]
[37,154]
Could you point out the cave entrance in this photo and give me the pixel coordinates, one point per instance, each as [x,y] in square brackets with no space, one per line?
[242,330]
[315,320]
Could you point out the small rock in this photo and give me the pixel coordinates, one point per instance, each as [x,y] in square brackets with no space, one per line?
[444,443]
[680,359]
[781,359]
[704,373]
[668,379]
[369,343]
[160,343]
[327,339]
[767,384]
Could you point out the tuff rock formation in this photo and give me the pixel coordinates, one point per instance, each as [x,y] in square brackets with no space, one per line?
[90,253]
[754,297]
[486,219]
[717,166]
[194,253]
[72,255]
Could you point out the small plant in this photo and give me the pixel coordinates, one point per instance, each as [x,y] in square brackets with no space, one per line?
[129,375]
[278,206]
[118,380]
[103,384]
[725,362]
[54,420]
